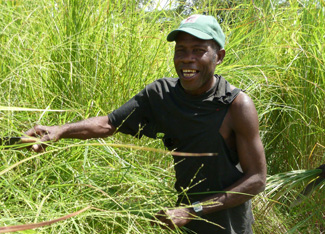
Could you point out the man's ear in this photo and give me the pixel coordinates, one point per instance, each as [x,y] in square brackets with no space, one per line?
[221,54]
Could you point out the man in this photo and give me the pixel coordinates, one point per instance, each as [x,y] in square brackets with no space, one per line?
[199,112]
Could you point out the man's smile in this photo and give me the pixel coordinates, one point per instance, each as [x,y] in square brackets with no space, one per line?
[189,73]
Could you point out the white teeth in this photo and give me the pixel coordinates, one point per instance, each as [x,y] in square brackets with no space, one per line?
[190,71]
[189,74]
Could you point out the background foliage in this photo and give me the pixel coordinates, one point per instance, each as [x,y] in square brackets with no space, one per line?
[88,57]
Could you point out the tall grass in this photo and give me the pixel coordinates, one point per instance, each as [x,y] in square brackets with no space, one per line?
[88,57]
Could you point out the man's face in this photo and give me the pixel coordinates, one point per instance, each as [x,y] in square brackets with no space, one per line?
[195,61]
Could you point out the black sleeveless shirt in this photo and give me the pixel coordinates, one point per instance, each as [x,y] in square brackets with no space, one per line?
[190,124]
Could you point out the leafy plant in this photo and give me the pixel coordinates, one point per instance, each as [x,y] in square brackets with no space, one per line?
[88,57]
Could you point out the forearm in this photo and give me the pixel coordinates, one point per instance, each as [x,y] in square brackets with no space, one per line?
[240,192]
[96,127]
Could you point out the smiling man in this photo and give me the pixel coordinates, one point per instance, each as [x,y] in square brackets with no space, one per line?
[198,112]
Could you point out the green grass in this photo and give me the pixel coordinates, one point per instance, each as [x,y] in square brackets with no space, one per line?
[89,57]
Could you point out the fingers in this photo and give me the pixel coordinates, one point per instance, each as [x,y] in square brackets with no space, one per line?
[41,147]
[41,132]
[173,218]
[38,148]
[162,219]
[159,219]
[36,131]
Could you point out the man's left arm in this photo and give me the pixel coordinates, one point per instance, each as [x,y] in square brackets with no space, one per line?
[244,123]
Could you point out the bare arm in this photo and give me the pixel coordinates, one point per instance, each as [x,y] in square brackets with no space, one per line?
[96,127]
[244,123]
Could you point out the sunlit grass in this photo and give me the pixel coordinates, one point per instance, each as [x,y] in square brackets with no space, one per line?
[87,59]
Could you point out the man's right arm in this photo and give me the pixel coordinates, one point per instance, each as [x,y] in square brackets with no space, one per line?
[96,127]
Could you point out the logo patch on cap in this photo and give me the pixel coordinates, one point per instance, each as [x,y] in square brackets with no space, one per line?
[191,19]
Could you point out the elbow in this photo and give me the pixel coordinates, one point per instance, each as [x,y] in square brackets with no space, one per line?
[104,126]
[106,130]
[260,184]
[110,131]
[257,184]
[258,179]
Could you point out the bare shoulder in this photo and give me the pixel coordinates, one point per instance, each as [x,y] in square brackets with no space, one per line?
[242,101]
[243,113]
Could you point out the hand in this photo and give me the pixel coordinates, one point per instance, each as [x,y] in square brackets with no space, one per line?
[45,133]
[174,218]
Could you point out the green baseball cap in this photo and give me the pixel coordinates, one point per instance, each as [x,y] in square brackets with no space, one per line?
[204,27]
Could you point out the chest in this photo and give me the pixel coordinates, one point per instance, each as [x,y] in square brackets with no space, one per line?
[190,126]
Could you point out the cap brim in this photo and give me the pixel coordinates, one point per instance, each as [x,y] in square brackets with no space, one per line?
[194,32]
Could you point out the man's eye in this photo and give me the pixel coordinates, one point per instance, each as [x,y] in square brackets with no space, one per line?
[179,51]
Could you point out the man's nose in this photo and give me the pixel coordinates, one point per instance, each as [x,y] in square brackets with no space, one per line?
[188,57]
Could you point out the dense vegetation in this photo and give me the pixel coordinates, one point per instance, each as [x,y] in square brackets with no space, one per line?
[63,61]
